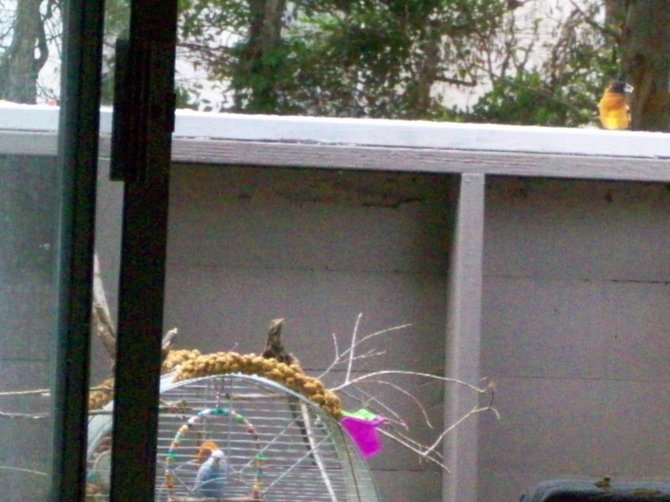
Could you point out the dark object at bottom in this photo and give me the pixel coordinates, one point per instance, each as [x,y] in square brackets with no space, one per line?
[603,490]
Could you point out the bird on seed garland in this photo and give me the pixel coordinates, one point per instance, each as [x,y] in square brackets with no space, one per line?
[613,106]
[274,349]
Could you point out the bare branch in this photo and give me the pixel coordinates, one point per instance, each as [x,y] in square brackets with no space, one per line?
[605,30]
[352,347]
[102,319]
[104,328]
[431,376]
[437,455]
[411,396]
[352,387]
[404,441]
[19,469]
[382,332]
[44,392]
[474,411]
[369,398]
[29,416]
[337,349]
[168,341]
[456,81]
[102,389]
[339,356]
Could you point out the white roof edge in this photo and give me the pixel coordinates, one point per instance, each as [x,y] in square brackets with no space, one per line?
[376,132]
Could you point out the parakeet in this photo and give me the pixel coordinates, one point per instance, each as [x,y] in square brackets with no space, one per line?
[210,482]
[613,106]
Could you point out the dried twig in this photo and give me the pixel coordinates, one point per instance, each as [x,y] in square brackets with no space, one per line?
[102,319]
[419,448]
[374,374]
[20,469]
[474,411]
[340,356]
[44,392]
[352,348]
[29,416]
[168,339]
[386,409]
[407,393]
[104,328]
[414,447]
[383,377]
[102,389]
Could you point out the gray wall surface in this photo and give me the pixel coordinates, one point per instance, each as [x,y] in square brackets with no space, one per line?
[575,305]
[248,245]
[29,205]
[576,310]
[28,210]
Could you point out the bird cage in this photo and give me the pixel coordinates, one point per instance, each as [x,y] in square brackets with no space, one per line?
[278,445]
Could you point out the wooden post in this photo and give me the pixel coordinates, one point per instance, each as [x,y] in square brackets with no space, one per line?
[463,339]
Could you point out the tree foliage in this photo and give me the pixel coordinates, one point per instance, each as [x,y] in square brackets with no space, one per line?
[341,57]
[580,57]
[540,62]
[401,59]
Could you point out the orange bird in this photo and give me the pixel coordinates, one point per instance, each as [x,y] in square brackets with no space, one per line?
[613,106]
[205,449]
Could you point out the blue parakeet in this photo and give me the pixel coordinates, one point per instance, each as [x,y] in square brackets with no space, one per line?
[210,481]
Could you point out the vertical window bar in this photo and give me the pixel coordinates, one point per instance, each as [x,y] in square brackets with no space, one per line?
[137,375]
[78,151]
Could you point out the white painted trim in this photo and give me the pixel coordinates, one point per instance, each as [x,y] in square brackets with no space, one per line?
[423,134]
[376,132]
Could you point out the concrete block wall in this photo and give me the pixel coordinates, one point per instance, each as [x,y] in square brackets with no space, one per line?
[29,205]
[574,304]
[28,209]
[574,312]
[247,245]
[576,309]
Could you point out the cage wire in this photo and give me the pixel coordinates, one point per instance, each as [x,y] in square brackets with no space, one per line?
[279,445]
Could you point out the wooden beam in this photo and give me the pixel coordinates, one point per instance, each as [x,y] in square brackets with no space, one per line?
[332,156]
[241,153]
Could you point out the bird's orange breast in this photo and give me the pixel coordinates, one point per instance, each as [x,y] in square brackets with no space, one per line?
[614,112]
[205,450]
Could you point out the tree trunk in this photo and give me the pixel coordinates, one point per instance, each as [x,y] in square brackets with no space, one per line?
[19,65]
[645,45]
[258,61]
[615,13]
[419,98]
